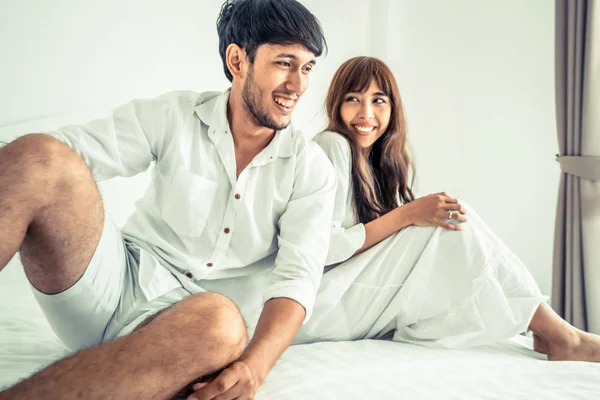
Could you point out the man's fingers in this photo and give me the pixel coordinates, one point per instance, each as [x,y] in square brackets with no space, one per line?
[234,393]
[199,385]
[221,384]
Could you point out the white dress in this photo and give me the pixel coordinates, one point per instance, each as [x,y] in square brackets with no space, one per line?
[427,285]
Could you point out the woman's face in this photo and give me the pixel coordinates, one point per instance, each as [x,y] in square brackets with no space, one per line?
[366,115]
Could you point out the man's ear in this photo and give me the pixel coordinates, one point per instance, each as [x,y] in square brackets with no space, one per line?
[236,61]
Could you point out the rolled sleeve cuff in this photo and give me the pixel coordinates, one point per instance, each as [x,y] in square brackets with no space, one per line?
[345,243]
[303,292]
[356,237]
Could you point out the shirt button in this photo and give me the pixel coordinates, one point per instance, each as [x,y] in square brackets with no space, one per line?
[237,196]
[226,230]
[189,275]
[209,265]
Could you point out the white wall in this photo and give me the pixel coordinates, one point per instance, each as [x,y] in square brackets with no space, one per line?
[476,78]
[80,55]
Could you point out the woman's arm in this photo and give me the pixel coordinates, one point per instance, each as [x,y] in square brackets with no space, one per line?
[430,210]
[384,226]
[347,241]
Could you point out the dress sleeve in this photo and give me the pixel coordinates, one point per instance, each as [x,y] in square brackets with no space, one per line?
[346,235]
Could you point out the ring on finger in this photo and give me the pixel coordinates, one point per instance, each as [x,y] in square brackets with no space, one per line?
[450,214]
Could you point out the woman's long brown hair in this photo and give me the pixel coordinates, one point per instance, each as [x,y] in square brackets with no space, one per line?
[380,179]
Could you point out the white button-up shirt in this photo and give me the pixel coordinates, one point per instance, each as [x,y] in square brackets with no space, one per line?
[197,220]
[347,234]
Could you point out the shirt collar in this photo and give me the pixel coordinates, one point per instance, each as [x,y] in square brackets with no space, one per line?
[213,113]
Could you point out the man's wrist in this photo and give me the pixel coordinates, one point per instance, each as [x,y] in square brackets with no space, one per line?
[258,369]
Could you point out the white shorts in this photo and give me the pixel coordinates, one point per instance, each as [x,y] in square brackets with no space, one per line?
[428,285]
[106,302]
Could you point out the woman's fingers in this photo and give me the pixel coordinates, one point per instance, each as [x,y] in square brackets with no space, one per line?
[456,207]
[450,227]
[456,212]
[447,198]
[441,210]
[450,218]
[459,217]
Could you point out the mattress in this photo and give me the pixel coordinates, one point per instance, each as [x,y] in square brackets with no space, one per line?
[368,369]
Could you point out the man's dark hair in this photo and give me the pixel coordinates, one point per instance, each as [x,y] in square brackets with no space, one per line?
[251,23]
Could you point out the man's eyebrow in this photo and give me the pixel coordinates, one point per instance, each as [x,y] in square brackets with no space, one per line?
[294,57]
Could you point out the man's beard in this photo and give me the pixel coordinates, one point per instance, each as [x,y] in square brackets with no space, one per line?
[252,96]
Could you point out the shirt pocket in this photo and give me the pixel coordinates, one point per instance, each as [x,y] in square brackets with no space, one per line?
[188,203]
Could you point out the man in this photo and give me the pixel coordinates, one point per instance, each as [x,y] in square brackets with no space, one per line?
[232,190]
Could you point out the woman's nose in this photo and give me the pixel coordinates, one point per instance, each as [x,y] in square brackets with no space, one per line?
[366,111]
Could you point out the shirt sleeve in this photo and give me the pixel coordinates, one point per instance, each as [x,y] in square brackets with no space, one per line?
[125,143]
[304,230]
[345,241]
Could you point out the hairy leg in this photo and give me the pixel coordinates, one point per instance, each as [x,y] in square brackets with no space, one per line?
[197,336]
[50,209]
[559,340]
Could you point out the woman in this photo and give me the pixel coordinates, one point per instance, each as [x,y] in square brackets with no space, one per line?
[448,283]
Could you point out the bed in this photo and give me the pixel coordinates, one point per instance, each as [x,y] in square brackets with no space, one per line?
[369,369]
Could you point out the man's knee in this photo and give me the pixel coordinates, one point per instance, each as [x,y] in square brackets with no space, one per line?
[211,316]
[46,160]
[227,323]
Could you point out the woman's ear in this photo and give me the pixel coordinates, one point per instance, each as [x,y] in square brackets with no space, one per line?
[236,60]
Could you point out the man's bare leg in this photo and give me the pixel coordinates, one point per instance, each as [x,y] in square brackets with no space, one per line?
[193,338]
[50,209]
[561,341]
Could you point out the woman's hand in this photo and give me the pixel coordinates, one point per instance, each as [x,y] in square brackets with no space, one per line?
[434,210]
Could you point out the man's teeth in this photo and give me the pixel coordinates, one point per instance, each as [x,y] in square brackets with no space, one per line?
[283,102]
[364,128]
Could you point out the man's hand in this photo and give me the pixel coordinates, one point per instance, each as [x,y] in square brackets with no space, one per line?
[279,322]
[235,382]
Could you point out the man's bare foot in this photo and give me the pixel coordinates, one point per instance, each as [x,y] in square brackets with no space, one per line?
[581,346]
[539,345]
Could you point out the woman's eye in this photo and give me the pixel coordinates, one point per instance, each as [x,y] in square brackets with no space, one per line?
[351,99]
[379,101]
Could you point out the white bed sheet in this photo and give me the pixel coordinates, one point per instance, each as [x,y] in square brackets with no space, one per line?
[367,369]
